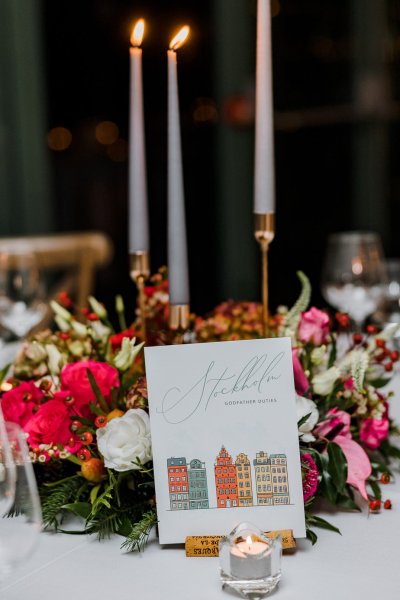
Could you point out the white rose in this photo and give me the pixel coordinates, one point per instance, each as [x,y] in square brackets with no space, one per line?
[125,440]
[323,382]
[304,406]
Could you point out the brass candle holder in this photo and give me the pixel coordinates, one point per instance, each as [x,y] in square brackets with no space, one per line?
[264,232]
[139,272]
[179,315]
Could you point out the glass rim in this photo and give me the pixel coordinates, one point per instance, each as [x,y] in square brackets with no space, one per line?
[355,235]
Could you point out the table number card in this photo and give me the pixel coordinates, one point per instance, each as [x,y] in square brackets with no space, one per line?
[224,436]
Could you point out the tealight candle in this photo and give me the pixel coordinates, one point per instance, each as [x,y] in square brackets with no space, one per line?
[250,559]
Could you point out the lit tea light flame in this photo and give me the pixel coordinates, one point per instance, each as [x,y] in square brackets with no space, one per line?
[249,542]
[356,266]
[137,33]
[180,38]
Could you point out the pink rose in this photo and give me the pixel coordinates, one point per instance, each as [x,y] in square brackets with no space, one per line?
[335,417]
[74,379]
[374,431]
[18,404]
[51,425]
[301,382]
[314,327]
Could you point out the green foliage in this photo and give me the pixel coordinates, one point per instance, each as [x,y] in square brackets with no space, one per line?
[139,534]
[337,466]
[54,498]
[301,421]
[96,390]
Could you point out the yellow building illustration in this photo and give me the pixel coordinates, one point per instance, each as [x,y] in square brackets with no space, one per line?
[243,474]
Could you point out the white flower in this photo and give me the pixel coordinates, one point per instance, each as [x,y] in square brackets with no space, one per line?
[100,331]
[79,328]
[323,382]
[304,406]
[125,440]
[319,355]
[97,308]
[60,311]
[36,352]
[125,357]
[54,359]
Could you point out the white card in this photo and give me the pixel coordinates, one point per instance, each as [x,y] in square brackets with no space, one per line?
[224,435]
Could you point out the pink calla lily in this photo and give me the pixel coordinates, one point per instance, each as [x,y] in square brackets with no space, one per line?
[358,463]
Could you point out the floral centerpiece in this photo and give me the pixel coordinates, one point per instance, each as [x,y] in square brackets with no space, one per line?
[80,395]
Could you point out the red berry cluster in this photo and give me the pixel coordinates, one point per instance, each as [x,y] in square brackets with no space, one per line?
[385,356]
[343,320]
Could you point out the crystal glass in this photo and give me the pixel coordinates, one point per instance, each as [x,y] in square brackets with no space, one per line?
[250,562]
[354,274]
[21,524]
[7,471]
[21,307]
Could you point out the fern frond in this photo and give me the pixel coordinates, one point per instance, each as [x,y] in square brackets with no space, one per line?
[139,535]
[54,497]
[292,318]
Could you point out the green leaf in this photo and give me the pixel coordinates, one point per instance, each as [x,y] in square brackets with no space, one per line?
[376,490]
[97,392]
[346,502]
[312,536]
[96,410]
[337,466]
[322,524]
[301,421]
[332,356]
[82,509]
[94,492]
[379,383]
[4,372]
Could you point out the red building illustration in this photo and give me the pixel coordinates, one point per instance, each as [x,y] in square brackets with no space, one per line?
[225,480]
[178,483]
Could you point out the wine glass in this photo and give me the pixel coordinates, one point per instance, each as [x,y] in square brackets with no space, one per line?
[7,471]
[21,307]
[22,523]
[354,274]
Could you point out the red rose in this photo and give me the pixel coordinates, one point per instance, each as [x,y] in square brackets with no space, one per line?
[50,425]
[18,404]
[74,379]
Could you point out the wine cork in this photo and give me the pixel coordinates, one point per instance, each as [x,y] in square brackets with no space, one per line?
[208,545]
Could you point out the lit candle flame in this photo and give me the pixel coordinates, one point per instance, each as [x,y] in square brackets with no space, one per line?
[180,38]
[249,541]
[356,266]
[137,33]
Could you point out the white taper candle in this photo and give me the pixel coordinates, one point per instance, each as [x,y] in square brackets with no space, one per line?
[138,211]
[264,178]
[177,247]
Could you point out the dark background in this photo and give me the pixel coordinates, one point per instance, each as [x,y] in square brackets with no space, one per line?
[336,84]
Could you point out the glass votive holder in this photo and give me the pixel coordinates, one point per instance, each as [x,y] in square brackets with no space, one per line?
[250,562]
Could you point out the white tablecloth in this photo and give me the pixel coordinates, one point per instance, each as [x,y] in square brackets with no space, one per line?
[364,562]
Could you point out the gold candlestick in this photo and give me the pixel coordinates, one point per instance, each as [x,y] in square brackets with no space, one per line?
[179,320]
[264,232]
[139,272]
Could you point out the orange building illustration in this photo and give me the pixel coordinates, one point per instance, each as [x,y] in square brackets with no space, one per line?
[225,480]
[243,473]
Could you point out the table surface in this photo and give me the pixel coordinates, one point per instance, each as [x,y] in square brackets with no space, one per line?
[363,562]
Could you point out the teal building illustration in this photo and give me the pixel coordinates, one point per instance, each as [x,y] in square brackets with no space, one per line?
[198,490]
